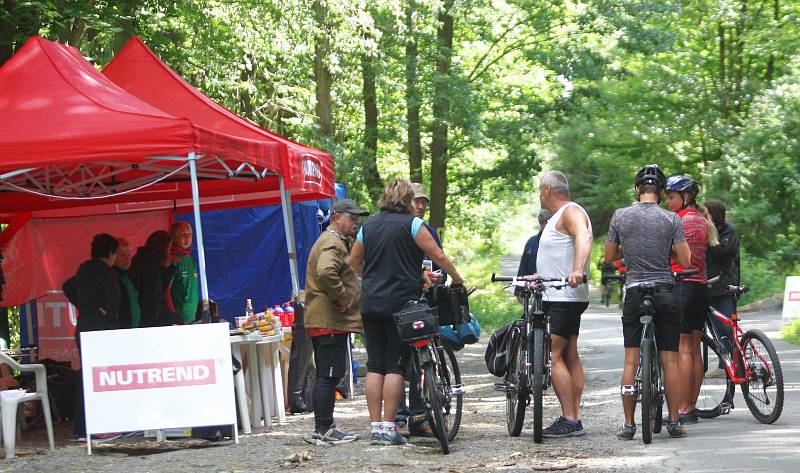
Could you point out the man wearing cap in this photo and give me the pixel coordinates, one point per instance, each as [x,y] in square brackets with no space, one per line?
[333,299]
[421,201]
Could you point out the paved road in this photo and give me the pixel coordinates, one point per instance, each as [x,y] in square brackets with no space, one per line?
[731,443]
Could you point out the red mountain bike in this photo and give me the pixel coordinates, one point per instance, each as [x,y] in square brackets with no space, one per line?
[754,365]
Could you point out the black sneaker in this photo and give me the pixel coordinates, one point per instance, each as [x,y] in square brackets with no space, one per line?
[688,418]
[333,436]
[561,427]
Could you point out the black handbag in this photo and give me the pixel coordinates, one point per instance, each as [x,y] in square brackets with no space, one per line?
[453,305]
[417,320]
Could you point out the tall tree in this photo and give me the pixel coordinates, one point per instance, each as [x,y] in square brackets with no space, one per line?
[413,99]
[322,72]
[441,115]
[372,178]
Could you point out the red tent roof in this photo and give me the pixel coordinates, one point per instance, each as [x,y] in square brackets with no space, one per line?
[139,71]
[71,135]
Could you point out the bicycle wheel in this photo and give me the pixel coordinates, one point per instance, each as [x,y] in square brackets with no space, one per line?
[606,297]
[434,404]
[516,380]
[647,393]
[658,389]
[537,382]
[764,390]
[717,387]
[452,379]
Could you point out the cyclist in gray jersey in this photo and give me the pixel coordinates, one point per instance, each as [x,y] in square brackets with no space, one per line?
[647,233]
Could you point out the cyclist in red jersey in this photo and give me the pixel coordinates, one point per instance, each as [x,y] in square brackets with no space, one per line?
[693,290]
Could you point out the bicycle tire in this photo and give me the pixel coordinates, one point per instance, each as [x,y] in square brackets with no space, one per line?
[454,401]
[434,404]
[606,297]
[537,382]
[756,360]
[714,391]
[647,394]
[516,376]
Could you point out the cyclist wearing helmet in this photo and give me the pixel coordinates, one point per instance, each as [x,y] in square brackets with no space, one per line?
[648,233]
[693,290]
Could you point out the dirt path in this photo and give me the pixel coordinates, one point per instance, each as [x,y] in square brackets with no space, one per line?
[482,443]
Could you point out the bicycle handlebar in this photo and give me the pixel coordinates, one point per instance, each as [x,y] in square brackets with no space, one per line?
[536,279]
[684,273]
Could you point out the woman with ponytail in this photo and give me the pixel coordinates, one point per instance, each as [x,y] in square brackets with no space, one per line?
[692,291]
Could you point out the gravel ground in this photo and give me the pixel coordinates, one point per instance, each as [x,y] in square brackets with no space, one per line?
[483,443]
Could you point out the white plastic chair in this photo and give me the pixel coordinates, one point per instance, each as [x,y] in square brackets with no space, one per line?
[8,406]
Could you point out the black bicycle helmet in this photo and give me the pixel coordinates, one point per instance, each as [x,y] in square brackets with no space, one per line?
[651,174]
[682,184]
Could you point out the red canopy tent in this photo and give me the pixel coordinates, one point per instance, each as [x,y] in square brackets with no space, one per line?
[139,71]
[70,137]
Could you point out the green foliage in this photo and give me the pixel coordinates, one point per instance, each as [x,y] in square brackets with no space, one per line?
[791,332]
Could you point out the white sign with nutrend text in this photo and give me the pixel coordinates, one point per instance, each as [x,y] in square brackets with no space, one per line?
[157,378]
[791,299]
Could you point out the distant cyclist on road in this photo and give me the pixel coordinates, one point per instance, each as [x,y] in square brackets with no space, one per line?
[693,290]
[648,234]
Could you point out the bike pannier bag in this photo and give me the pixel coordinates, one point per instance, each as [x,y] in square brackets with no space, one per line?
[416,321]
[497,354]
[452,305]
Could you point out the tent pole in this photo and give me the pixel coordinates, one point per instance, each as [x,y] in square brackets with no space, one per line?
[201,254]
[288,224]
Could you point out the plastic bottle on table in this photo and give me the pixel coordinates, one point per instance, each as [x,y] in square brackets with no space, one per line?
[248,312]
[278,312]
[288,315]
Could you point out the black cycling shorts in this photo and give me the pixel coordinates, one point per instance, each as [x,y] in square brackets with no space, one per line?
[565,317]
[667,319]
[694,301]
[386,353]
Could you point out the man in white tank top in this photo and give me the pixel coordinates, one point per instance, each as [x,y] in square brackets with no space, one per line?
[565,249]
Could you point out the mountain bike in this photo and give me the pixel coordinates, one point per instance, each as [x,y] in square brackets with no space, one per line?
[648,380]
[528,373]
[754,365]
[439,379]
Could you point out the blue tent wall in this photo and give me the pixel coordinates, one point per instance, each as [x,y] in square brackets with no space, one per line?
[246,255]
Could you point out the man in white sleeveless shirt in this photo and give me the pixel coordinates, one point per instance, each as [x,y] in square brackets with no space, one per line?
[565,249]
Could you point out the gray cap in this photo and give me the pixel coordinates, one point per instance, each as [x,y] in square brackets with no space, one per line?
[347,205]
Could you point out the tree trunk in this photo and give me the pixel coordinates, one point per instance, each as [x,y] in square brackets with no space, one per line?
[322,73]
[770,72]
[441,116]
[413,98]
[126,22]
[723,83]
[372,177]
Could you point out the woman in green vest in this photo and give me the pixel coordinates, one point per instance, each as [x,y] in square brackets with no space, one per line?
[183,290]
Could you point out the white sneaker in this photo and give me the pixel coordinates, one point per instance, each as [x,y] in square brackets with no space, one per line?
[715,373]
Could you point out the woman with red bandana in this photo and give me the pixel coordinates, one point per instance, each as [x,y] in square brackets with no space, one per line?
[692,291]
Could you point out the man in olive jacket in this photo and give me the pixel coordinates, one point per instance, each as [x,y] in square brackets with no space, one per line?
[333,298]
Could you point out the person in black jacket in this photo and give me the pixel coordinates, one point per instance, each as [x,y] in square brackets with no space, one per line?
[723,261]
[150,274]
[95,291]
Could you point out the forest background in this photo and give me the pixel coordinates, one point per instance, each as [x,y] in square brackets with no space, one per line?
[476,97]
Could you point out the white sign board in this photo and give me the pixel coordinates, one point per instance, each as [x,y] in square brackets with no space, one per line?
[157,378]
[791,299]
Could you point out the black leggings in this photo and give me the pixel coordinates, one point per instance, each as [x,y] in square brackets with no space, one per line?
[330,356]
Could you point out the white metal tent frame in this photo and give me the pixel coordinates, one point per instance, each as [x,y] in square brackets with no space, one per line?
[93,181]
